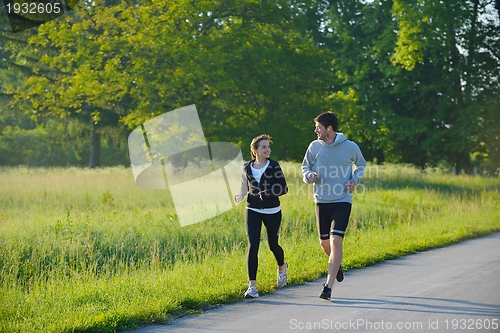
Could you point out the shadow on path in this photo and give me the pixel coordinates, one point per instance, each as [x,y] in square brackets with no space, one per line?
[418,304]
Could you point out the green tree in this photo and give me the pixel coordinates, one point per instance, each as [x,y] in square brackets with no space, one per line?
[454,40]
[249,66]
[416,70]
[412,81]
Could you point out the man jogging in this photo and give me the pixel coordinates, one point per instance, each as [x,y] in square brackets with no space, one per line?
[334,165]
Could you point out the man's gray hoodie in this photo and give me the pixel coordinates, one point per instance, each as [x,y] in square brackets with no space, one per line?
[335,164]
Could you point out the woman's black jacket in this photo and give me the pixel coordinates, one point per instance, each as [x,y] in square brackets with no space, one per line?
[272,184]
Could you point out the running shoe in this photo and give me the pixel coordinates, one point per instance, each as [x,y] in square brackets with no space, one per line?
[282,278]
[251,292]
[326,293]
[340,274]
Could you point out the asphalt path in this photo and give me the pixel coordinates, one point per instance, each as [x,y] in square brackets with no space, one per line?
[450,289]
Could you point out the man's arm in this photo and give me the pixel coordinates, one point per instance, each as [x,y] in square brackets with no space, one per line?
[359,163]
[307,170]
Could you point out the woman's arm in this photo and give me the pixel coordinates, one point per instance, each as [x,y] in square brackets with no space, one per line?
[243,188]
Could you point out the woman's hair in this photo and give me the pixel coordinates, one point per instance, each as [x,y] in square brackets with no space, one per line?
[255,142]
[328,119]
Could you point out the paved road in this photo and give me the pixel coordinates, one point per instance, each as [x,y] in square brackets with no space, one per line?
[452,289]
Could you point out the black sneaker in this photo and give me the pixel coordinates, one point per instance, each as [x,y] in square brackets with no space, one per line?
[340,275]
[326,293]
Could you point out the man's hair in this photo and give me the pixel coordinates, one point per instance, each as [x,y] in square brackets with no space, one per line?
[328,119]
[255,142]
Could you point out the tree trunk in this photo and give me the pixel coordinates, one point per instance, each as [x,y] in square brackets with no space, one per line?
[463,163]
[95,149]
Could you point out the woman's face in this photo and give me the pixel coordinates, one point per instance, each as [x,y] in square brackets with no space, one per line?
[263,150]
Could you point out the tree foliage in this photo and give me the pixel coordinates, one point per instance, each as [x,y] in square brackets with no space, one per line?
[412,81]
[417,74]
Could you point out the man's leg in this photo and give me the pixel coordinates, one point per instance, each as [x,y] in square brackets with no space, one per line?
[325,245]
[340,219]
[324,216]
[334,261]
[323,221]
[335,258]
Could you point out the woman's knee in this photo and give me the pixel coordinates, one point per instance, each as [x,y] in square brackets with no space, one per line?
[275,248]
[253,248]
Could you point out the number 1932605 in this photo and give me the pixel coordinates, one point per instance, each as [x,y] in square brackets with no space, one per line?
[34,8]
[471,324]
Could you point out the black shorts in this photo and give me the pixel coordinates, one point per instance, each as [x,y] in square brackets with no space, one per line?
[332,218]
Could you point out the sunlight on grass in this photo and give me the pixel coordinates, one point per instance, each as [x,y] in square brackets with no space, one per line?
[88,250]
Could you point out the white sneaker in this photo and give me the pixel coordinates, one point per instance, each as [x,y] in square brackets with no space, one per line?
[251,292]
[282,278]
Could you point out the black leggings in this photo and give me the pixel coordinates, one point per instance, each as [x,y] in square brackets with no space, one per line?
[254,224]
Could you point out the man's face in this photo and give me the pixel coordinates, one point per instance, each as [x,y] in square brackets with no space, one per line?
[320,131]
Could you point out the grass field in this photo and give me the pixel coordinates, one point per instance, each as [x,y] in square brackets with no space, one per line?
[89,251]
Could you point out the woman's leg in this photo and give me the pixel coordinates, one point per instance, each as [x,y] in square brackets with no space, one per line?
[273,223]
[254,225]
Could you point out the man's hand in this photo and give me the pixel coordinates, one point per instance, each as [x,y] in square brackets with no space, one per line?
[312,177]
[351,185]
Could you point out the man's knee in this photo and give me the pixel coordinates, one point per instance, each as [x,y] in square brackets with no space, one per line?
[325,245]
[336,241]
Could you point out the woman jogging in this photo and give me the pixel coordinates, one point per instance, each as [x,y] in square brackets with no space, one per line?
[263,182]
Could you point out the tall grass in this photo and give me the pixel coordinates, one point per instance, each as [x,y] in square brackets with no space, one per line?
[87,250]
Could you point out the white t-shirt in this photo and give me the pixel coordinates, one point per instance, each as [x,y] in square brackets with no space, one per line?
[257,173]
